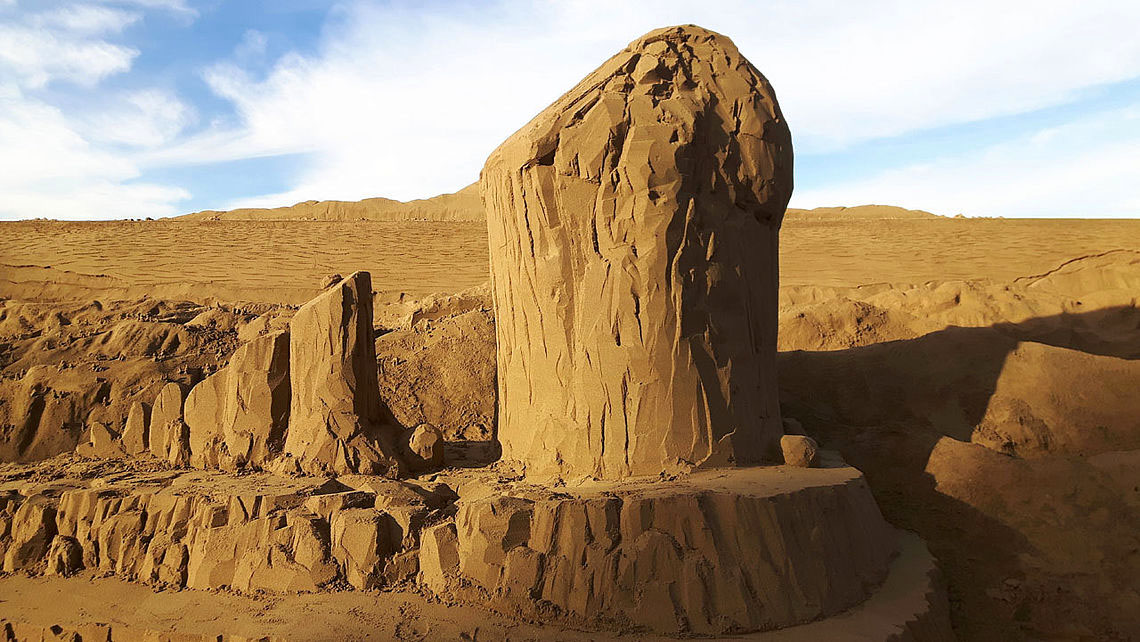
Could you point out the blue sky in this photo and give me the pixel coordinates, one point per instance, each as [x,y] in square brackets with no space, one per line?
[134,108]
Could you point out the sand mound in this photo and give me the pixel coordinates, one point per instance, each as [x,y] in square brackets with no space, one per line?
[438,367]
[70,369]
[999,421]
[858,213]
[463,205]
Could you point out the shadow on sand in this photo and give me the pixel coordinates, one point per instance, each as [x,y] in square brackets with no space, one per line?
[886,407]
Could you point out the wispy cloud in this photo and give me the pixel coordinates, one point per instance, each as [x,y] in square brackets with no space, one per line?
[34,56]
[85,19]
[49,170]
[175,6]
[407,100]
[77,163]
[1086,168]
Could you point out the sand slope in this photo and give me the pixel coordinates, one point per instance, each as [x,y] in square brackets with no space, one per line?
[463,205]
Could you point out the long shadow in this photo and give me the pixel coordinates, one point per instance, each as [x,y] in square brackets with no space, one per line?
[886,407]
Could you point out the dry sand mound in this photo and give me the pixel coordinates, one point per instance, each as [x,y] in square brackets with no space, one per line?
[997,420]
[463,205]
[858,213]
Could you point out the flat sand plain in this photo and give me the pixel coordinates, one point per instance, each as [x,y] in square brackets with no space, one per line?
[284,261]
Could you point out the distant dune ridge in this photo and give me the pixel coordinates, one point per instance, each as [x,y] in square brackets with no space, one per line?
[859,212]
[465,205]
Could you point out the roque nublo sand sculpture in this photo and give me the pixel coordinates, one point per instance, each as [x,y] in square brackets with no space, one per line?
[633,231]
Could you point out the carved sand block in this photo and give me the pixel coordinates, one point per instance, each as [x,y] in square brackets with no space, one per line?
[633,233]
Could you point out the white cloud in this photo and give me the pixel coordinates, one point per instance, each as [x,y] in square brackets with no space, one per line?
[143,118]
[49,170]
[74,164]
[1085,168]
[407,101]
[175,6]
[36,57]
[86,19]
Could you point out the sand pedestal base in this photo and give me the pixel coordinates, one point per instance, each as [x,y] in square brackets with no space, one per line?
[734,550]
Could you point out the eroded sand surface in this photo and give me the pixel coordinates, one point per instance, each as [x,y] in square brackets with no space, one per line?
[284,261]
[995,415]
[987,392]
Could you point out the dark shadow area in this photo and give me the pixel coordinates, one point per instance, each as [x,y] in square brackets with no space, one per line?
[472,454]
[887,407]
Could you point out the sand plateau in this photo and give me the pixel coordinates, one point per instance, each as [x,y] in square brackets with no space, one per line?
[980,372]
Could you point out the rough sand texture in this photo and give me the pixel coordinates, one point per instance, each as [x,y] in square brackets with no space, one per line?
[634,227]
[285,262]
[1035,544]
[336,418]
[716,552]
[905,608]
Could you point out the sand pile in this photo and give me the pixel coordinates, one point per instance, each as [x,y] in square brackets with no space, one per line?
[998,421]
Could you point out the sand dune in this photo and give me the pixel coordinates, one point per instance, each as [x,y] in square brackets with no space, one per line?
[284,261]
[463,205]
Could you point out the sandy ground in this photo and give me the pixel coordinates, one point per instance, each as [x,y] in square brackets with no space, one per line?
[986,386]
[390,615]
[284,261]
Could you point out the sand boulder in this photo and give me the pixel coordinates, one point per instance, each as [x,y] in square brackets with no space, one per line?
[335,420]
[65,556]
[238,415]
[136,433]
[423,447]
[633,231]
[31,531]
[439,556]
[799,450]
[169,435]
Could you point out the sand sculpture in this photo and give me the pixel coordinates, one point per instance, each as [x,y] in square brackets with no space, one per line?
[335,420]
[238,415]
[633,230]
